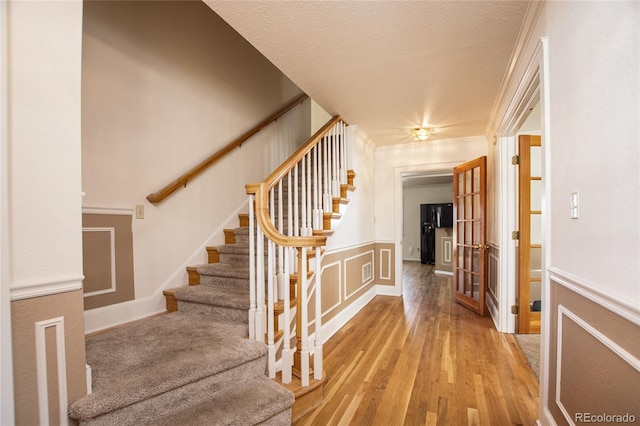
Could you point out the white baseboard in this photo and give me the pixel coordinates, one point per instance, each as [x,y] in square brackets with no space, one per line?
[443,273]
[336,323]
[121,313]
[388,290]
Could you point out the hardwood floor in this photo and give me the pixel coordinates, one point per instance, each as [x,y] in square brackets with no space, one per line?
[422,359]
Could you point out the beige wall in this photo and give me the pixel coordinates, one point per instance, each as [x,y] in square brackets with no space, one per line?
[52,314]
[165,84]
[444,250]
[107,246]
[349,278]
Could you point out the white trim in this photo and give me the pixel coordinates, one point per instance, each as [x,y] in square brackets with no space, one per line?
[610,344]
[112,249]
[548,417]
[108,211]
[388,290]
[87,370]
[449,273]
[385,277]
[7,415]
[371,253]
[121,313]
[41,369]
[447,254]
[619,307]
[524,36]
[25,289]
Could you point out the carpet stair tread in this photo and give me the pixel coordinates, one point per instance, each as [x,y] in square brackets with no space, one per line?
[230,297]
[249,403]
[230,270]
[131,364]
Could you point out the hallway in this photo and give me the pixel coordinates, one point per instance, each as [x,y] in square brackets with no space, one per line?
[424,360]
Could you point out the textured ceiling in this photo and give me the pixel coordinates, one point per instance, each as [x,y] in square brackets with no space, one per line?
[388,66]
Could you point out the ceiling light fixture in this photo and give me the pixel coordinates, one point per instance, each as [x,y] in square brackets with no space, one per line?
[422,133]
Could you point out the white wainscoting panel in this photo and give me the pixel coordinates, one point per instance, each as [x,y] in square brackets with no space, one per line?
[41,369]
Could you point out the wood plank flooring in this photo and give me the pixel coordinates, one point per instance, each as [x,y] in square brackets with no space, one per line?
[422,359]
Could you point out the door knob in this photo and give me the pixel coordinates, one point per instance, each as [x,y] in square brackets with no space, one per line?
[480,246]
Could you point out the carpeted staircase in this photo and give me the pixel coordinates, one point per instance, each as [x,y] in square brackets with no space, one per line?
[191,367]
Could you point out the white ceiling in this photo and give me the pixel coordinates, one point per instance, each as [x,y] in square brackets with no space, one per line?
[388,66]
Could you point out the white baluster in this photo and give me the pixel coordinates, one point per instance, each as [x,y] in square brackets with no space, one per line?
[295,202]
[280,248]
[252,272]
[326,193]
[287,352]
[343,149]
[317,184]
[260,312]
[272,218]
[307,201]
[271,355]
[317,353]
[303,307]
[335,182]
[303,200]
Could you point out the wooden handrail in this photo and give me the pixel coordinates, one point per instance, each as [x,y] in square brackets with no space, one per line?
[160,195]
[261,191]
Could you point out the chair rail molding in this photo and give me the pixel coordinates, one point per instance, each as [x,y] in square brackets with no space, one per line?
[27,288]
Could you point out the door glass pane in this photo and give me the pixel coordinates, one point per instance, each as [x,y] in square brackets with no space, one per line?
[476,232]
[467,233]
[536,161]
[476,179]
[535,288]
[460,235]
[468,214]
[468,183]
[536,195]
[536,262]
[476,287]
[460,208]
[460,281]
[476,260]
[476,206]
[536,229]
[460,184]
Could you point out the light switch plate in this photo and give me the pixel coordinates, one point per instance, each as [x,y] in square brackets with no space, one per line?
[574,206]
[139,211]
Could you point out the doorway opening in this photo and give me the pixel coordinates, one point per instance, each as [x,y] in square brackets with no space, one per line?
[427,199]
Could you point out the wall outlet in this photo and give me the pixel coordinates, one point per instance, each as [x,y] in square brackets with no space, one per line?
[140,211]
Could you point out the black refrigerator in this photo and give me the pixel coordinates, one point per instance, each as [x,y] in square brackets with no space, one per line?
[433,216]
[428,233]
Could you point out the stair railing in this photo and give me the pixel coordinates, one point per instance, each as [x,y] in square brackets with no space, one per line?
[182,181]
[291,213]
